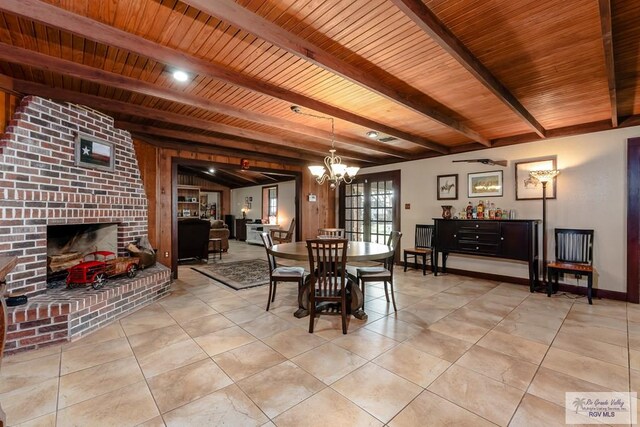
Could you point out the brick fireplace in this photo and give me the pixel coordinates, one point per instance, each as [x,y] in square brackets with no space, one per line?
[41,186]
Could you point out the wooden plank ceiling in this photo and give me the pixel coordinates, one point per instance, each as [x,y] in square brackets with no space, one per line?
[432,78]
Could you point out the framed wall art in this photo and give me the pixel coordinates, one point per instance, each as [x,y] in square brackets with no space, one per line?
[448,187]
[528,187]
[485,184]
[94,153]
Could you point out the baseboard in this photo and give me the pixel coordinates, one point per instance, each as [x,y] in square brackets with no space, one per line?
[578,290]
[488,276]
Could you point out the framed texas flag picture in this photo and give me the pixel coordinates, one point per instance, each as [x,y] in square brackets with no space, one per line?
[94,153]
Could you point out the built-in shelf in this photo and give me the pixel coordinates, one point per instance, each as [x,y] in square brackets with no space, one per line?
[188,201]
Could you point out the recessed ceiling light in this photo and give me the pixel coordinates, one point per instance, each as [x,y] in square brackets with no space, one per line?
[180,76]
[212,170]
[372,134]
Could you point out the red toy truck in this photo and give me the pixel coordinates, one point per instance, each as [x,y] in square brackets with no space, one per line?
[96,267]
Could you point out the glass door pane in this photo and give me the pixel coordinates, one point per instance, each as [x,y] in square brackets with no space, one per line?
[381,222]
[369,207]
[354,212]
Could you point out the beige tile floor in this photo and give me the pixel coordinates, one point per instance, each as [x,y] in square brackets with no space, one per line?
[460,352]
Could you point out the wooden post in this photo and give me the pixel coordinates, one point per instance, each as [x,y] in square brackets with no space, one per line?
[6,265]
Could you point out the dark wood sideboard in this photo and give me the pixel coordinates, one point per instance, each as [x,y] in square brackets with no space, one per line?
[6,265]
[508,239]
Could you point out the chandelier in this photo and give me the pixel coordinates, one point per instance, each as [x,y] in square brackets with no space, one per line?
[333,171]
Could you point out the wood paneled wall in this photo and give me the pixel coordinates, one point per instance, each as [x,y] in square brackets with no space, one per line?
[156,168]
[147,156]
[318,214]
[8,102]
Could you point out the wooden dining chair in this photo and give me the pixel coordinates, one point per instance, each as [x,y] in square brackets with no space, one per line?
[284,236]
[574,255]
[383,273]
[327,262]
[423,247]
[325,233]
[279,274]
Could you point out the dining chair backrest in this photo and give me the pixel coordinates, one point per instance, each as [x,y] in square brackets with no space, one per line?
[424,235]
[394,242]
[331,232]
[268,244]
[574,245]
[284,236]
[328,260]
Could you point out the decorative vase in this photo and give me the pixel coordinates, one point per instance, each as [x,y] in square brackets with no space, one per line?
[446,211]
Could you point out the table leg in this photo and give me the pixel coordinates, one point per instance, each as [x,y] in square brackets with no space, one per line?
[357,301]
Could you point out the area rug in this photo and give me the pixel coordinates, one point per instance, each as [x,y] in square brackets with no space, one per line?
[238,274]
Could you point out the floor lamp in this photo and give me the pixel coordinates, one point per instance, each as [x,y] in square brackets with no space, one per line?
[544,176]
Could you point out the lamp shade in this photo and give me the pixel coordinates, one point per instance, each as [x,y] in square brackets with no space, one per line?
[544,175]
[316,171]
[352,171]
[338,169]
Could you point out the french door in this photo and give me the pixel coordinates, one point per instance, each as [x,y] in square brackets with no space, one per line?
[369,207]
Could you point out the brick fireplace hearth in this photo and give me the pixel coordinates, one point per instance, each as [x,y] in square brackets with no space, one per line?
[41,185]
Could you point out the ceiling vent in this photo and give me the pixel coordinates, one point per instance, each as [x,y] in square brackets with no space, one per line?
[387,139]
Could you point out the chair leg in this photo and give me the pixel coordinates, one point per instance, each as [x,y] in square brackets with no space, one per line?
[405,262]
[275,286]
[270,292]
[549,282]
[344,315]
[589,287]
[386,292]
[312,312]
[362,288]
[424,264]
[393,297]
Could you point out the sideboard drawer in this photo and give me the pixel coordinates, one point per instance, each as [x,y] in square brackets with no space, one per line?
[492,227]
[480,248]
[478,237]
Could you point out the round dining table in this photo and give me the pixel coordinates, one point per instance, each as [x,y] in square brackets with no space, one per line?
[356,251]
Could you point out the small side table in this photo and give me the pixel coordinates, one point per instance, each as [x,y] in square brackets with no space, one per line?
[215,246]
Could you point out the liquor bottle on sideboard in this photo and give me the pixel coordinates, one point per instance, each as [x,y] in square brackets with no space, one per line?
[469,211]
[480,210]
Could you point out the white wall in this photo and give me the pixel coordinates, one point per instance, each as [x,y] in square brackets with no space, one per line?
[286,202]
[591,193]
[238,197]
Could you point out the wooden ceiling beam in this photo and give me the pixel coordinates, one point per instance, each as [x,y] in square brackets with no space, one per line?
[239,176]
[45,62]
[111,105]
[609,62]
[428,22]
[217,179]
[630,121]
[212,150]
[398,91]
[82,26]
[582,128]
[256,147]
